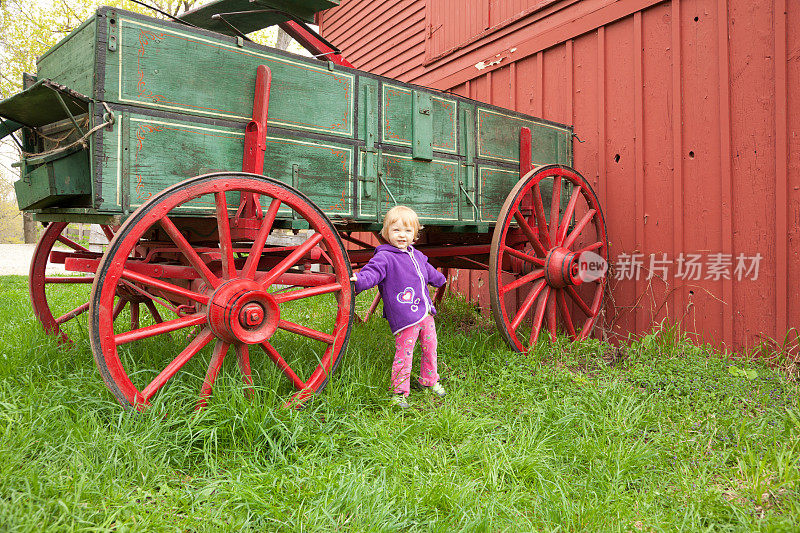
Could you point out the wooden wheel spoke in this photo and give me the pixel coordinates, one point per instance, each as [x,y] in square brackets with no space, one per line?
[197,344]
[528,231]
[372,307]
[539,316]
[527,278]
[305,293]
[132,275]
[150,297]
[592,247]
[217,356]
[188,251]
[118,308]
[72,244]
[551,316]
[153,311]
[579,301]
[72,314]
[579,228]
[291,259]
[107,231]
[195,319]
[306,331]
[243,360]
[538,209]
[285,368]
[134,315]
[534,293]
[525,257]
[555,203]
[251,265]
[225,241]
[568,212]
[565,314]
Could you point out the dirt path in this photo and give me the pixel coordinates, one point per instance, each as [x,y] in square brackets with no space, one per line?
[15,259]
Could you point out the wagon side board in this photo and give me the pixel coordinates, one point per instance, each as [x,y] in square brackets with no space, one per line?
[355,143]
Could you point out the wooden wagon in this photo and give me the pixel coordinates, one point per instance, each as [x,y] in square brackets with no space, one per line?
[140,125]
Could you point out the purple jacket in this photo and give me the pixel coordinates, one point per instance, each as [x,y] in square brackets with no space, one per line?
[402,278]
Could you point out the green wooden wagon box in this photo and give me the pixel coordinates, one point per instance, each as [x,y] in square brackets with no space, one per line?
[226,176]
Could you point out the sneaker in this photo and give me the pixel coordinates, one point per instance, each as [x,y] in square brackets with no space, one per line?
[438,390]
[399,400]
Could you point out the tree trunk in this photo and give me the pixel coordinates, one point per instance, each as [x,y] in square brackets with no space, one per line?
[29,228]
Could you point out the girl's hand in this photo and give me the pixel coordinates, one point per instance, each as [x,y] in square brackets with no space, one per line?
[353,278]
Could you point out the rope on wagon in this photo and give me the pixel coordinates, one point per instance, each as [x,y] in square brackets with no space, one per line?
[82,140]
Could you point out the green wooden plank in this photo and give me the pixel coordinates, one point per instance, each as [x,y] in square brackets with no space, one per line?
[429,187]
[498,137]
[398,109]
[421,126]
[468,204]
[164,151]
[368,131]
[323,171]
[183,72]
[61,180]
[71,62]
[496,183]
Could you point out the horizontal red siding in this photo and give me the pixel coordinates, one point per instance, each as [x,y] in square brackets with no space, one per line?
[379,37]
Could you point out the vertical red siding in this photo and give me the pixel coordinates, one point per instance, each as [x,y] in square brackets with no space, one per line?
[789,148]
[689,125]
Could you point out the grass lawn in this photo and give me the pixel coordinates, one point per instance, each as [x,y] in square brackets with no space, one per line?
[660,436]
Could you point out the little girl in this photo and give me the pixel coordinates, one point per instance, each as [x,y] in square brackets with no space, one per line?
[402,275]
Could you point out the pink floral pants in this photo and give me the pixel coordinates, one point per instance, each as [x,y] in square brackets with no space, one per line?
[404,351]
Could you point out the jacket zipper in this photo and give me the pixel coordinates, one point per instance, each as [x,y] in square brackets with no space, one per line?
[422,280]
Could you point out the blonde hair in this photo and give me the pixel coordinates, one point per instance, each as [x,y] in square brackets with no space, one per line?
[404,215]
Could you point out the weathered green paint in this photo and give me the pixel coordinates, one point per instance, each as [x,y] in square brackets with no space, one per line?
[494,184]
[498,138]
[178,71]
[468,204]
[431,188]
[398,109]
[421,126]
[58,180]
[324,171]
[71,62]
[42,104]
[356,144]
[368,132]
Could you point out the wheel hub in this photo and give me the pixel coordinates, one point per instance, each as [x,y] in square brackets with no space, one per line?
[241,311]
[562,268]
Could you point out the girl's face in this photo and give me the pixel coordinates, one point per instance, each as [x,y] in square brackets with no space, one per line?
[400,235]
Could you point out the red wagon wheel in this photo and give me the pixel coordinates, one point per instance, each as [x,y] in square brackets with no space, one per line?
[540,270]
[232,286]
[56,310]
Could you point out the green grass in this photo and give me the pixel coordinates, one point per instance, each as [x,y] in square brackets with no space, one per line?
[658,436]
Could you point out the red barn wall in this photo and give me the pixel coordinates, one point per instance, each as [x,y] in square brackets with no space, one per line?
[687,127]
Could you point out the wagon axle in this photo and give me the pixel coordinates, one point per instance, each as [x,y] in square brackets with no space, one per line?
[242,311]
